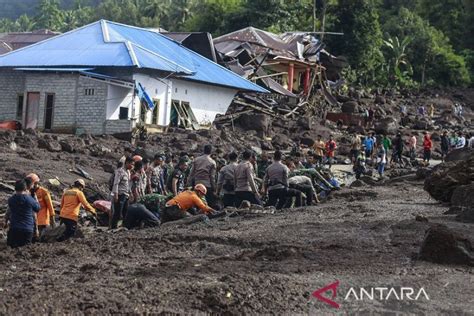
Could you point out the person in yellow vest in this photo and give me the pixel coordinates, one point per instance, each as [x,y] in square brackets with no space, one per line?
[71,203]
[45,216]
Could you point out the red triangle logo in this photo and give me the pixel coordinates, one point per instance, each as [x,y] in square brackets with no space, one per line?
[330,287]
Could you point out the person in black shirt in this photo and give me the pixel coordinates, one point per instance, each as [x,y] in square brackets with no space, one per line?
[177,180]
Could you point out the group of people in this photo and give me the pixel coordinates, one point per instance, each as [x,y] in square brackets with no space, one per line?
[206,184]
[31,211]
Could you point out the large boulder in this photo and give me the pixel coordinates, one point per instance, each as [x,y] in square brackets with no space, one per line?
[441,245]
[49,144]
[380,100]
[386,126]
[350,107]
[256,122]
[281,141]
[459,154]
[448,176]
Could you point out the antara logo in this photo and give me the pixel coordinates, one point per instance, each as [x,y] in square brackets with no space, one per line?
[370,294]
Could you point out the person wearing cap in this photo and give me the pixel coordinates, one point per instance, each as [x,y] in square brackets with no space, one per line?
[226,183]
[203,170]
[71,202]
[178,207]
[22,208]
[45,216]
[176,181]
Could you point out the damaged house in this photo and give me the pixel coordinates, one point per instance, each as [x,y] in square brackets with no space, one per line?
[285,64]
[106,77]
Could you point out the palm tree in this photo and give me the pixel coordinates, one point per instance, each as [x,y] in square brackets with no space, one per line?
[398,56]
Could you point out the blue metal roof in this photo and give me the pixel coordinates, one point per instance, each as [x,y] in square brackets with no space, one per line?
[110,44]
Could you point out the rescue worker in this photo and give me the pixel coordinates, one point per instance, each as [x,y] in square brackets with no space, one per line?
[178,207]
[245,187]
[138,216]
[276,183]
[71,202]
[156,176]
[203,170]
[226,183]
[121,192]
[46,214]
[319,147]
[21,216]
[305,185]
[138,180]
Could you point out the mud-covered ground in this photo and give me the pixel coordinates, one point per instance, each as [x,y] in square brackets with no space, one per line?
[265,263]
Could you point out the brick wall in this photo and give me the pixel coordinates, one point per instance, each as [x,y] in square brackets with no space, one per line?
[91,109]
[12,83]
[117,126]
[63,86]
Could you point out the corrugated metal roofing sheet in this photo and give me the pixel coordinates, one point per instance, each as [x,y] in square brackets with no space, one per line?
[105,43]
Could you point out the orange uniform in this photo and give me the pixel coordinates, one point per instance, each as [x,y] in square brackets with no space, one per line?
[188,199]
[46,207]
[71,203]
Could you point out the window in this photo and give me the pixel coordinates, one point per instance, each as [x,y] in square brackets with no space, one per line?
[89,91]
[123,113]
[19,108]
[182,115]
[48,116]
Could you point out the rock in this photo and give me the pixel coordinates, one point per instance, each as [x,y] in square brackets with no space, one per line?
[308,141]
[386,126]
[441,245]
[463,196]
[466,214]
[107,167]
[252,121]
[422,173]
[421,218]
[380,100]
[266,145]
[50,145]
[66,146]
[193,136]
[422,124]
[350,107]
[446,177]
[206,133]
[281,141]
[304,123]
[459,154]
[357,184]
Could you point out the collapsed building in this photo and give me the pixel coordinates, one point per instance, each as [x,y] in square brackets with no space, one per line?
[107,78]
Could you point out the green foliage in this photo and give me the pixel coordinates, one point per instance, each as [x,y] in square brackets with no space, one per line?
[432,57]
[358,20]
[427,41]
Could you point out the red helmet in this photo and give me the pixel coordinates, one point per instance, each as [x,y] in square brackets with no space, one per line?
[34,177]
[200,188]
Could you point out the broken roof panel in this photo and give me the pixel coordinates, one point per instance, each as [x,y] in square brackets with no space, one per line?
[105,43]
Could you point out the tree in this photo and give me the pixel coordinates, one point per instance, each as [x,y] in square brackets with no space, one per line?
[432,57]
[50,15]
[24,24]
[358,20]
[397,57]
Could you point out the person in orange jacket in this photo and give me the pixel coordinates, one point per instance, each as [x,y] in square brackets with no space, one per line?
[45,216]
[71,203]
[178,207]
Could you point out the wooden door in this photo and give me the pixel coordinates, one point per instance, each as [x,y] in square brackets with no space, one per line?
[32,110]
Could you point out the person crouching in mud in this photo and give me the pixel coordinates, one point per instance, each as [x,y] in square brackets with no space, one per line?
[70,205]
[178,207]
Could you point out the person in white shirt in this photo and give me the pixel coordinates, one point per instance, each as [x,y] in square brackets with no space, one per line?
[461,143]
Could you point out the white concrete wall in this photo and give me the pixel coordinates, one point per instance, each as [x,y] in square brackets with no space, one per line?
[156,89]
[205,100]
[118,97]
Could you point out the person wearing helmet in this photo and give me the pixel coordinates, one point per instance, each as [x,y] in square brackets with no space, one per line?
[178,207]
[45,216]
[71,202]
[137,158]
[203,170]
